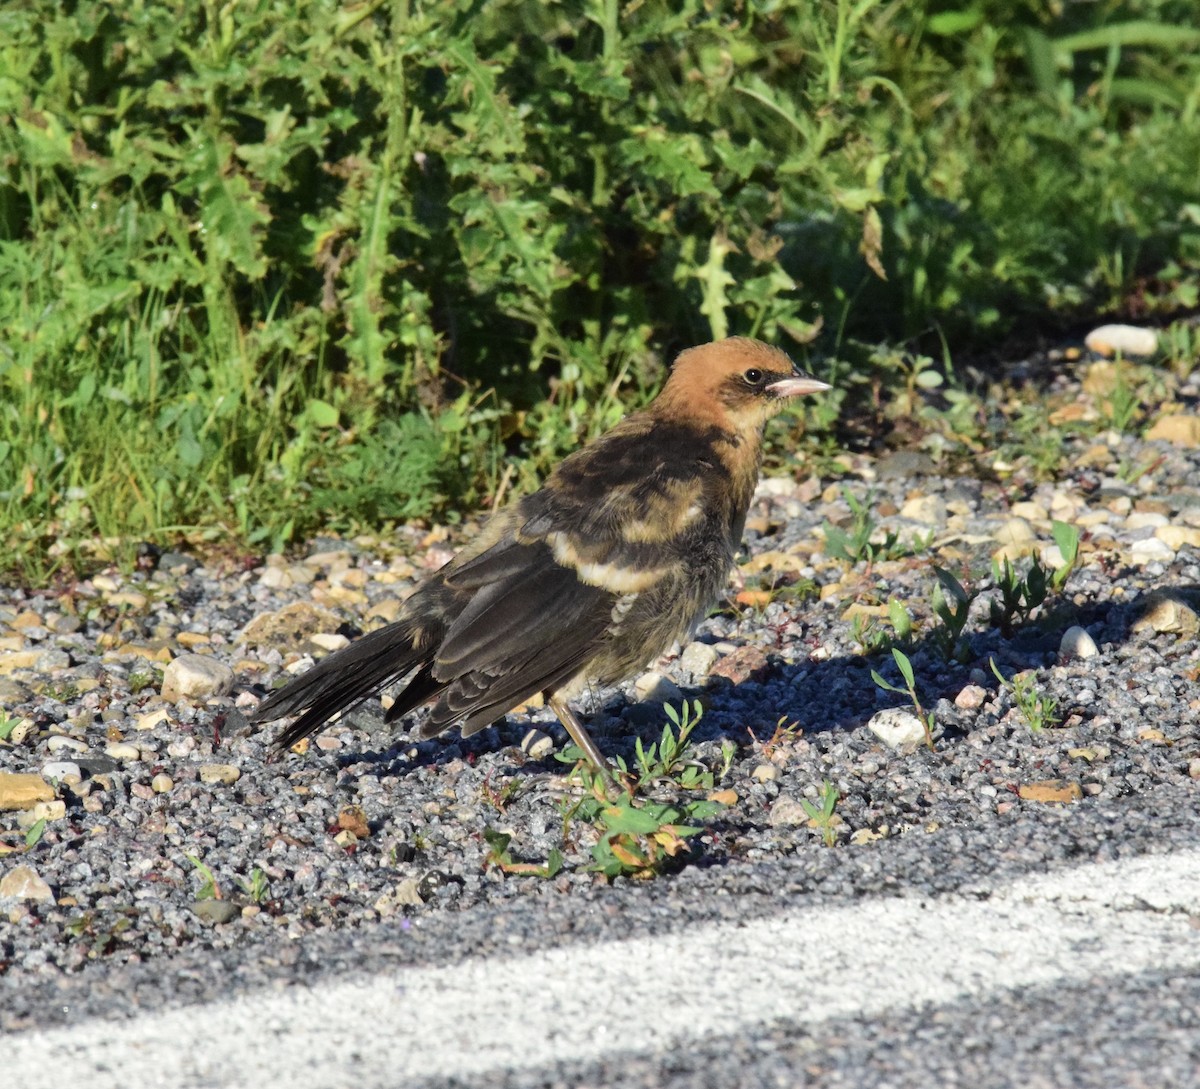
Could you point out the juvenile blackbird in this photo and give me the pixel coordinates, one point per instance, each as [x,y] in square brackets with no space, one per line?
[621,552]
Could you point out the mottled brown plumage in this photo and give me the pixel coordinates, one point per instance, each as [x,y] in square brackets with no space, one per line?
[622,552]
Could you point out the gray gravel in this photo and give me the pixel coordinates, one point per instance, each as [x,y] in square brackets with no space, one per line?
[125,926]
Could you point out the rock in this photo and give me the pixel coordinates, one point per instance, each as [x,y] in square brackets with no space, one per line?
[43,811]
[162,784]
[62,770]
[698,659]
[1051,790]
[290,627]
[1177,429]
[656,688]
[898,728]
[196,677]
[903,463]
[23,883]
[227,774]
[1167,613]
[1111,340]
[765,773]
[1077,643]
[742,664]
[216,911]
[121,750]
[61,743]
[1177,537]
[970,698]
[23,791]
[787,812]
[151,719]
[537,744]
[1150,550]
[328,640]
[929,510]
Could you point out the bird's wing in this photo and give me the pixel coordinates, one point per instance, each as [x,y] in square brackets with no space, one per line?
[611,524]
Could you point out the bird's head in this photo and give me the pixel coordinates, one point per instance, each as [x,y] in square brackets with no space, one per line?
[738,382]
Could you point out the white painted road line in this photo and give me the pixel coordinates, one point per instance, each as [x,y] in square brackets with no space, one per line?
[638,996]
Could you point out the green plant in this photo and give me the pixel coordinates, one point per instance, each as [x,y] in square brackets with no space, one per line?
[951,608]
[139,680]
[855,544]
[7,725]
[35,832]
[639,837]
[822,816]
[1039,711]
[209,889]
[1021,595]
[910,690]
[257,887]
[500,856]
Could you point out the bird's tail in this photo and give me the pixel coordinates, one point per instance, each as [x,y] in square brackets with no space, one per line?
[342,681]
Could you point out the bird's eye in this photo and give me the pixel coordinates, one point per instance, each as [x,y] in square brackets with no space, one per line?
[753,376]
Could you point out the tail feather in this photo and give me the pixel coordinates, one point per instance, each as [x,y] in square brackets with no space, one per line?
[342,681]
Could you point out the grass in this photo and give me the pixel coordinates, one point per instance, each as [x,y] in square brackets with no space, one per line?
[316,268]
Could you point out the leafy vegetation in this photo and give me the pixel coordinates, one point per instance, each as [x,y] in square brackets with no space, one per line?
[269,269]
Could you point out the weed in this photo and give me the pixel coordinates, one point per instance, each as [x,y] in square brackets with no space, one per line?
[7,725]
[822,816]
[35,832]
[209,889]
[140,680]
[951,608]
[640,837]
[855,544]
[500,857]
[257,887]
[909,690]
[1039,711]
[1021,595]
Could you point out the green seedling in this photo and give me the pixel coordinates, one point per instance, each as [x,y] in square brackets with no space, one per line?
[501,857]
[7,725]
[951,608]
[854,544]
[1021,595]
[909,690]
[257,887]
[209,889]
[822,816]
[35,832]
[1039,711]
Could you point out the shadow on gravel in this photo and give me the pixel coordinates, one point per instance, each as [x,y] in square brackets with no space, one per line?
[817,697]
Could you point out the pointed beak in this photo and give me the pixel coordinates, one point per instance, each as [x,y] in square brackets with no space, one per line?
[797,384]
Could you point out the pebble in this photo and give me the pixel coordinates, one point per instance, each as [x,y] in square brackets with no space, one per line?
[537,745]
[1077,643]
[787,812]
[698,658]
[1111,340]
[122,750]
[23,883]
[20,790]
[62,770]
[162,784]
[969,698]
[1177,429]
[765,773]
[196,677]
[226,774]
[898,728]
[61,743]
[655,688]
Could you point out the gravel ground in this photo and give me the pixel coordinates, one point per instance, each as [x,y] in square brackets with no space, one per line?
[147,794]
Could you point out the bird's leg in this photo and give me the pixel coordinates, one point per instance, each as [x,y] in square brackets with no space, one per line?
[584,740]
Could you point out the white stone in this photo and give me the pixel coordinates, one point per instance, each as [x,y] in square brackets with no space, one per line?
[196,677]
[898,728]
[220,773]
[537,744]
[657,688]
[59,743]
[1110,340]
[62,769]
[1076,643]
[328,640]
[120,750]
[1151,550]
[698,658]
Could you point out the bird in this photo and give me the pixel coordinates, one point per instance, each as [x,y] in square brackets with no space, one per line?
[621,552]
